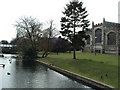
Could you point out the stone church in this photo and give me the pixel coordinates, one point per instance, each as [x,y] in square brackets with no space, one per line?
[104,38]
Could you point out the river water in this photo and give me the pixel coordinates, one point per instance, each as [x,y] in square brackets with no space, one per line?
[18,74]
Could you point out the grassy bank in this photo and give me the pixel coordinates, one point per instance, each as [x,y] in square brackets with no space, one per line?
[102,67]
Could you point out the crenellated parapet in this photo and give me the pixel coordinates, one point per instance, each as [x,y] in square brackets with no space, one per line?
[112,24]
[99,24]
[106,23]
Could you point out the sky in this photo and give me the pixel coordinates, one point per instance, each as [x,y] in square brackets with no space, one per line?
[46,10]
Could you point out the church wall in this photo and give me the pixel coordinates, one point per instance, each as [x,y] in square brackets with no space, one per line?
[103,47]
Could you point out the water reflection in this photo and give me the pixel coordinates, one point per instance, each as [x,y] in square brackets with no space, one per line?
[32,75]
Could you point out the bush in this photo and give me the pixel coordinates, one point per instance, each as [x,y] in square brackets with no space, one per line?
[29,53]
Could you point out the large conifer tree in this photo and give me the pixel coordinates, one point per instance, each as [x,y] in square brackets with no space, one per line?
[74,24]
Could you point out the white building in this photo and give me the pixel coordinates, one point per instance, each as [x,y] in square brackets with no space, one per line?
[119,12]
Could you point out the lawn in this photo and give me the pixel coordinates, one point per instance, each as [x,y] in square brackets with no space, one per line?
[88,64]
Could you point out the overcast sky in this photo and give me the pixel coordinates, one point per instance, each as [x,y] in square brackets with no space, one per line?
[45,10]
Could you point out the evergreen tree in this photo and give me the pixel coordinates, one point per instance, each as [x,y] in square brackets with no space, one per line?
[75,18]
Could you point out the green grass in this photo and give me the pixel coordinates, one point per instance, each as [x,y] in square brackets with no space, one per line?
[89,65]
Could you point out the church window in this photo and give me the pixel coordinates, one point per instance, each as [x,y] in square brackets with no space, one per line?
[98,36]
[111,38]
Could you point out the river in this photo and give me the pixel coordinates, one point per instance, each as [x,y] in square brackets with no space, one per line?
[18,74]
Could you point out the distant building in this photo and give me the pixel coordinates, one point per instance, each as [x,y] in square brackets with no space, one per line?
[104,38]
[119,12]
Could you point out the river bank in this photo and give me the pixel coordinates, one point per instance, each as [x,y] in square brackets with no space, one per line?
[84,80]
[102,68]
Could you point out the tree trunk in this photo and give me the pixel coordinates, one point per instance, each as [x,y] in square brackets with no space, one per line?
[74,54]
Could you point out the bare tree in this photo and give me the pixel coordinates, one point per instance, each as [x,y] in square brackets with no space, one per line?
[49,33]
[29,31]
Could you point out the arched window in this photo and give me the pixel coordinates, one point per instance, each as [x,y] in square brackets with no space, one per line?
[111,38]
[98,36]
[88,39]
